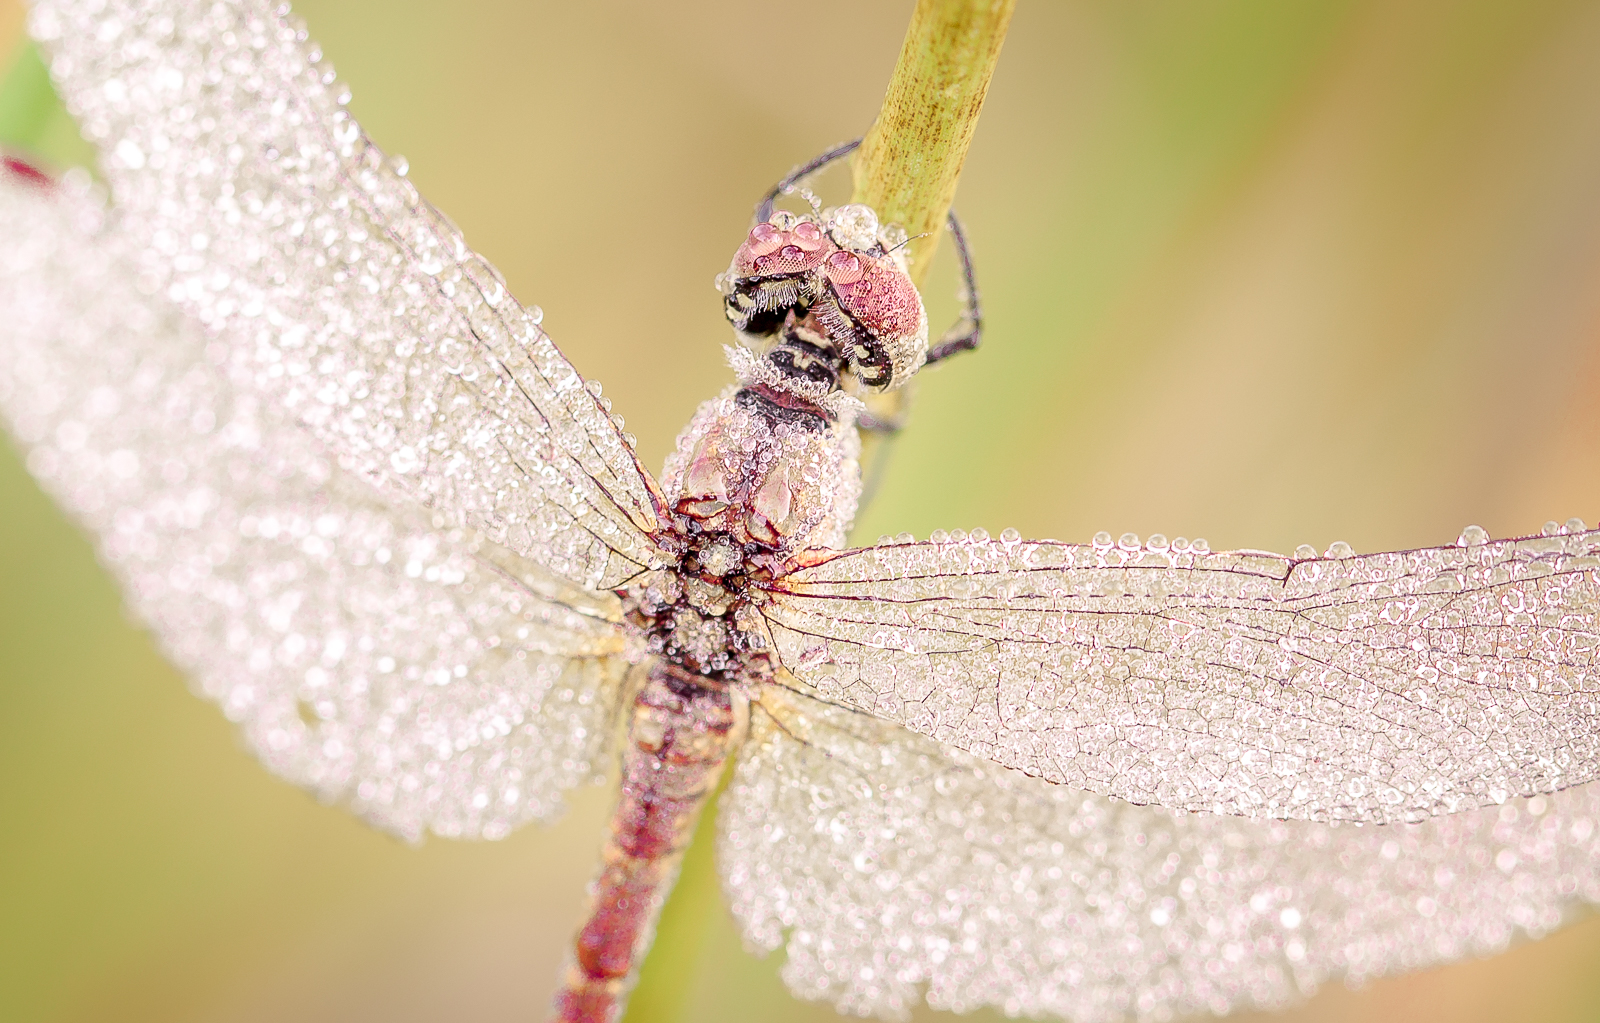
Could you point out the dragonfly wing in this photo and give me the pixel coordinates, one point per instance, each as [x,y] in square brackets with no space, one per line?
[893,869]
[1381,688]
[415,671]
[270,217]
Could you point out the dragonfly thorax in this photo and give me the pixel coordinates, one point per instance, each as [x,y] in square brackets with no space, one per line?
[765,470]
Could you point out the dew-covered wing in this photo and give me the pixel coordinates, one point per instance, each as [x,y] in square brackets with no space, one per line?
[1381,688]
[415,671]
[268,216]
[891,869]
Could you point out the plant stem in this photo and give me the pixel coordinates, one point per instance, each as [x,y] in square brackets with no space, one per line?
[909,163]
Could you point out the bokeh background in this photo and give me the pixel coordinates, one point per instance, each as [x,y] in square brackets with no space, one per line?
[1266,273]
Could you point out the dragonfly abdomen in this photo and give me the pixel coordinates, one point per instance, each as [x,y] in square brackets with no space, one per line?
[681,732]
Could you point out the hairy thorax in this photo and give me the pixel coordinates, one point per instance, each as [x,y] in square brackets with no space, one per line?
[758,475]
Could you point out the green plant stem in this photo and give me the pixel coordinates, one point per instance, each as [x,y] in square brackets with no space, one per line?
[908,165]
[910,162]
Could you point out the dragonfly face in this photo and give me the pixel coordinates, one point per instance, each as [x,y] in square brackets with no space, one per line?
[828,293]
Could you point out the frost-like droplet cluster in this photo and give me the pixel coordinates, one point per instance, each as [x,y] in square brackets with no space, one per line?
[1381,688]
[268,216]
[892,871]
[424,676]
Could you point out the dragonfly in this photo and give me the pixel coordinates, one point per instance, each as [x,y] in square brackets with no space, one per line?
[365,502]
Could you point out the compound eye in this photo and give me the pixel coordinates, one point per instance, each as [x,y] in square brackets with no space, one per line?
[876,317]
[844,268]
[808,236]
[763,239]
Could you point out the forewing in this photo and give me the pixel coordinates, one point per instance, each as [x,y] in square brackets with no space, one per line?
[417,672]
[1378,688]
[269,216]
[891,869]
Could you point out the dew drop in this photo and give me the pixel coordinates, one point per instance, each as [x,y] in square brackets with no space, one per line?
[535,314]
[1339,549]
[957,535]
[1180,543]
[1101,539]
[1157,542]
[905,538]
[1010,535]
[1472,536]
[1199,546]
[1128,541]
[1576,525]
[630,440]
[938,536]
[1551,528]
[1304,552]
[885,540]
[979,535]
[593,387]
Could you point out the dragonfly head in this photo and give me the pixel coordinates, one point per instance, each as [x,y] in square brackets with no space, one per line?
[840,272]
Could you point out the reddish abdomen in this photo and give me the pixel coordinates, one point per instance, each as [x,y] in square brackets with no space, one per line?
[679,736]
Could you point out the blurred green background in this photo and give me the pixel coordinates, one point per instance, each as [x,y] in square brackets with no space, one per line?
[1263,272]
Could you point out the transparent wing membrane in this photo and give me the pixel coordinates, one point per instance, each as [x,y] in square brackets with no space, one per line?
[417,672]
[270,217]
[1381,688]
[891,869]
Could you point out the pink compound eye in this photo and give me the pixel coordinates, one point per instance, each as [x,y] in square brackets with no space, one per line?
[763,239]
[845,268]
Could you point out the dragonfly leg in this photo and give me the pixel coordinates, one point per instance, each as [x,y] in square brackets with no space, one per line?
[968,330]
